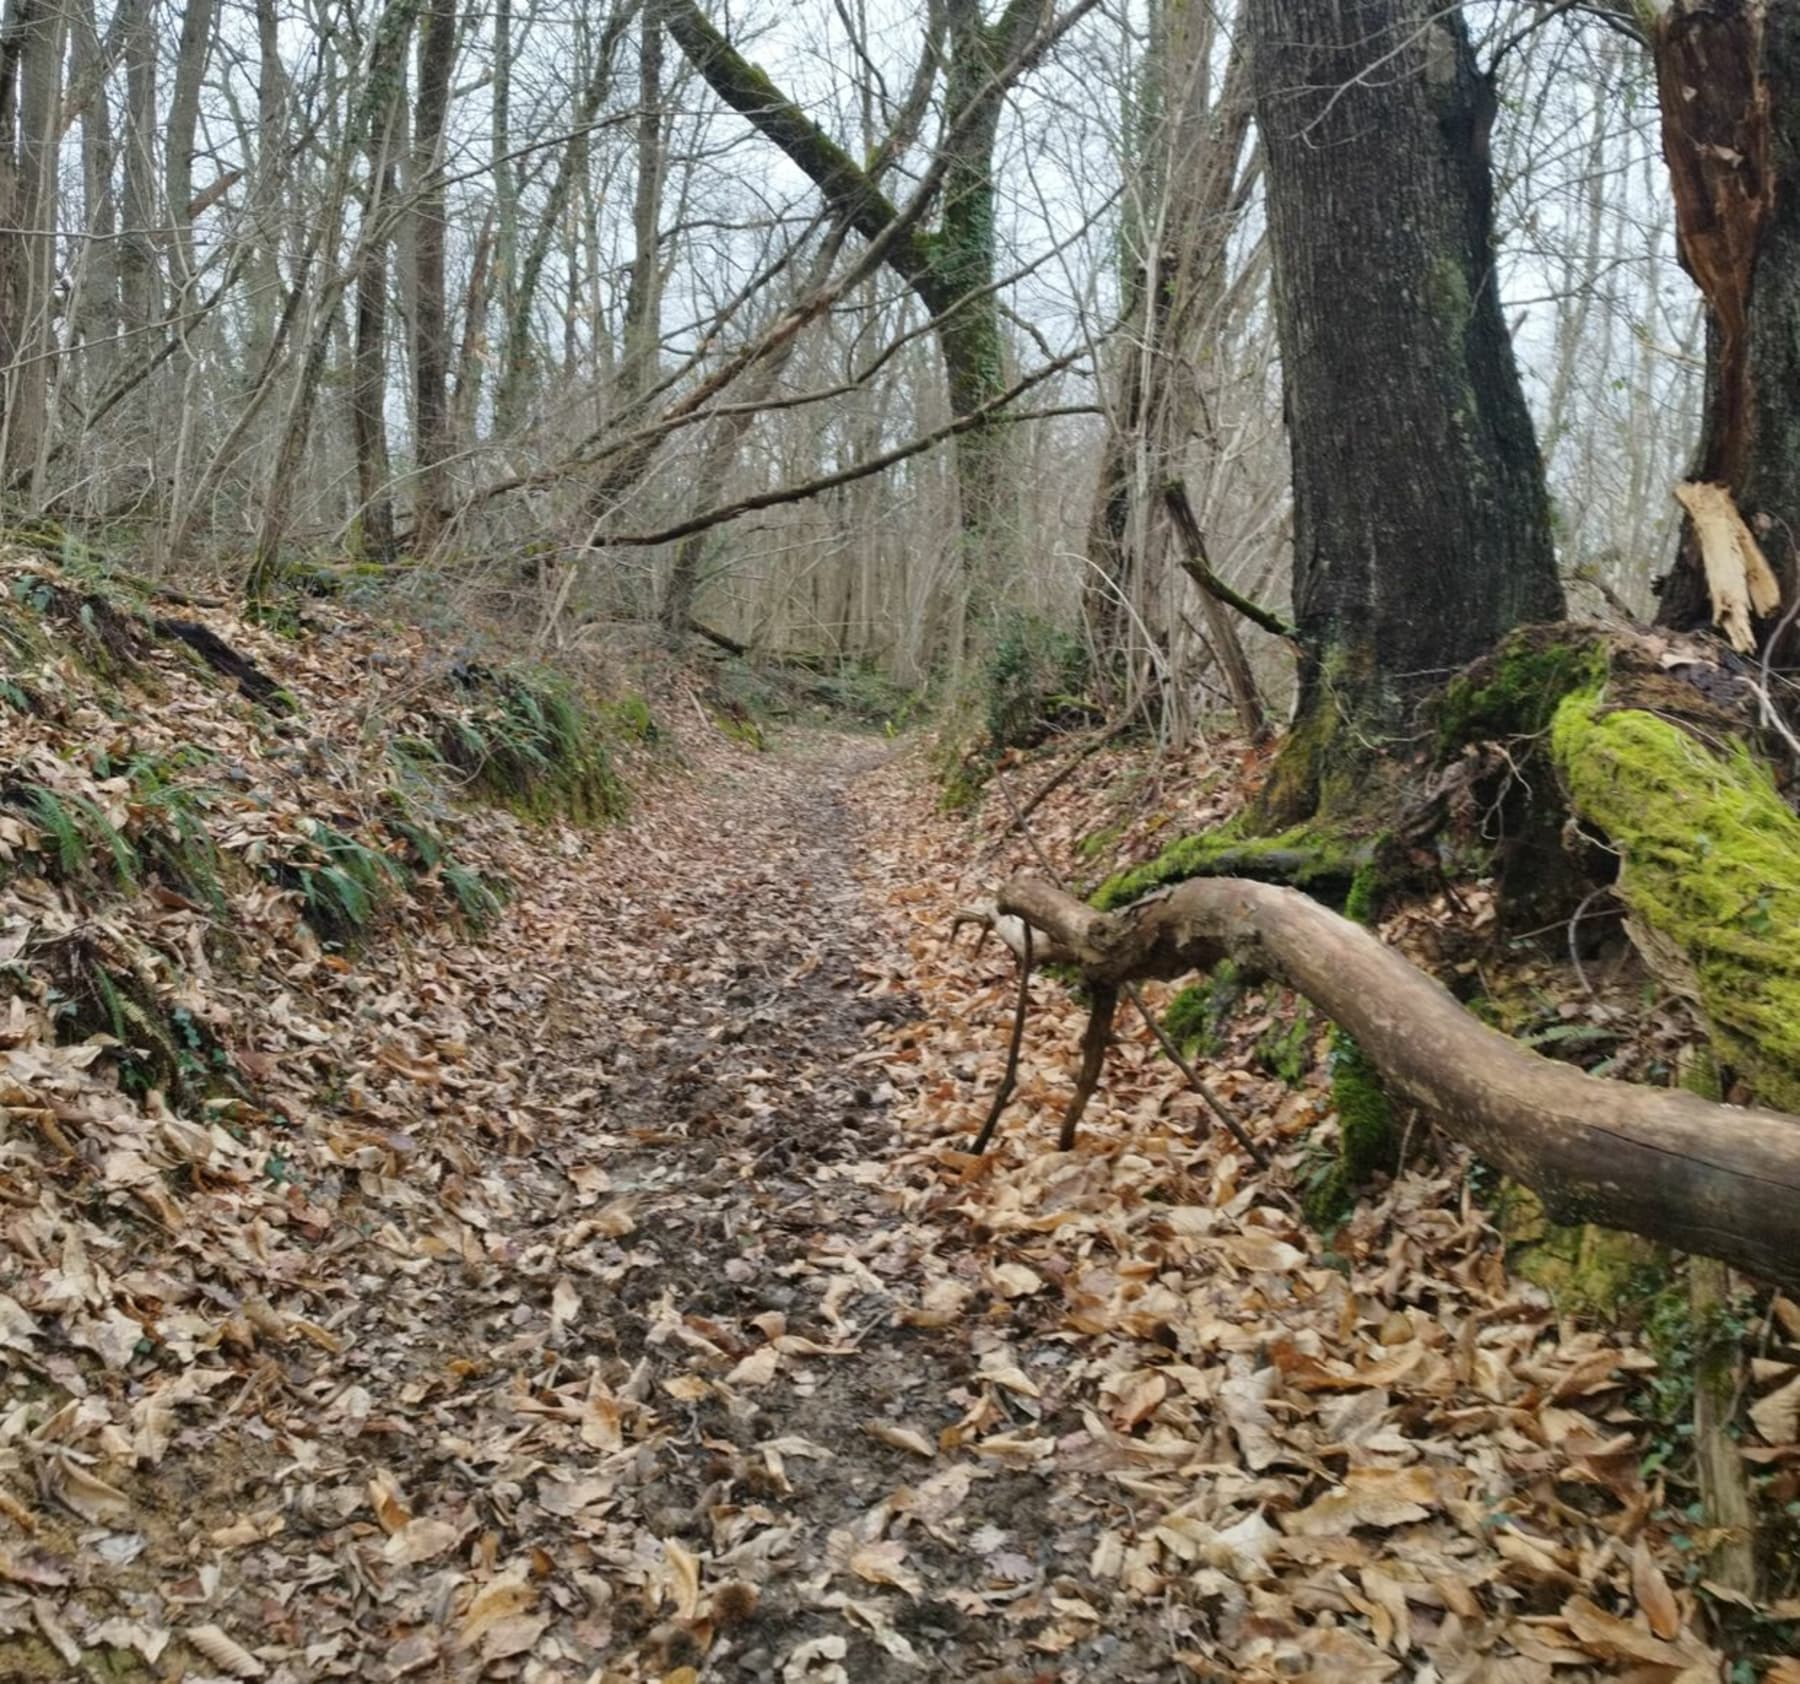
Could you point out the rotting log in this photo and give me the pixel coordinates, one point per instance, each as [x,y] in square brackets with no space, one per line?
[1718,1180]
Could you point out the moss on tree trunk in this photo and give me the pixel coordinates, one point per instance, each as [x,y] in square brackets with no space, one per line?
[1709,866]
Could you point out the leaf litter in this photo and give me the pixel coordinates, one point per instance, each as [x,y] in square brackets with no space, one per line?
[610,1296]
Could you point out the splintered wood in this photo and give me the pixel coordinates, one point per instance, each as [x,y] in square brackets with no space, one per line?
[1738,575]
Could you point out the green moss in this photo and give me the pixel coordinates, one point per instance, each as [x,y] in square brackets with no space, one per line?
[740,727]
[1363,903]
[1195,1019]
[1291,792]
[1710,860]
[1098,842]
[1306,856]
[1285,1048]
[1368,1143]
[632,716]
[1515,692]
[1586,1270]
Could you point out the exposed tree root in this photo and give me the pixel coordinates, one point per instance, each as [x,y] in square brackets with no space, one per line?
[1712,1179]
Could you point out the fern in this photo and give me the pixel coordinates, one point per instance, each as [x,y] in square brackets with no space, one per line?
[477,898]
[124,856]
[64,835]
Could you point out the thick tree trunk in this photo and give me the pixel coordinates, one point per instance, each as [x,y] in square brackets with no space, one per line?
[1729,73]
[1421,523]
[1712,1179]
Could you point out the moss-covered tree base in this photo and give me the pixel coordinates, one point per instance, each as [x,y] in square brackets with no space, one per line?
[1709,867]
[1323,858]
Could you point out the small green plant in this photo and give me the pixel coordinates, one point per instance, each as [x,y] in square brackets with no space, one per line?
[631,717]
[478,898]
[1035,682]
[526,741]
[76,835]
[1285,1048]
[342,882]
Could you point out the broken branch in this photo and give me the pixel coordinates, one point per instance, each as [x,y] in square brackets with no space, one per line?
[1718,1180]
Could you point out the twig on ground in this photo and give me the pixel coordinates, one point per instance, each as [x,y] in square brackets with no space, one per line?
[1100,1024]
[1010,1077]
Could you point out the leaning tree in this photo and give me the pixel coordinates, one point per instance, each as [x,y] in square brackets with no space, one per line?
[950,267]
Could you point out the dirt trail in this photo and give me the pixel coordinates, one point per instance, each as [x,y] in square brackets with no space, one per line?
[640,1318]
[638,1397]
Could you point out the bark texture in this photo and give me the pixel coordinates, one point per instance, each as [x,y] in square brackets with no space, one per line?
[1712,1179]
[1728,73]
[431,320]
[1421,523]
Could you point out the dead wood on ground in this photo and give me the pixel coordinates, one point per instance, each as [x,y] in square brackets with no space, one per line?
[1717,1180]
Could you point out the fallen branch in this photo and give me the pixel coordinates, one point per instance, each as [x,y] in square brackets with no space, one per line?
[1718,1180]
[730,645]
[1010,1077]
[1104,1005]
[1195,565]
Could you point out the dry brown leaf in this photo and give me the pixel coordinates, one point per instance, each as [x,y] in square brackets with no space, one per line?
[757,1369]
[384,1497]
[1015,1280]
[883,1563]
[419,1540]
[89,1496]
[1613,1639]
[1379,1497]
[684,1579]
[1777,1416]
[1652,1592]
[901,1438]
[500,1600]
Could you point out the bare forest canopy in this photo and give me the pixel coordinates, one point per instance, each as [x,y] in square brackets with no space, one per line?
[809,323]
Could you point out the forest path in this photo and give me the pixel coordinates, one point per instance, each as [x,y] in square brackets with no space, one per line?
[665,1330]
[658,1383]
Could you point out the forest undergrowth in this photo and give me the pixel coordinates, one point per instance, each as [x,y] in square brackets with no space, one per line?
[464,1219]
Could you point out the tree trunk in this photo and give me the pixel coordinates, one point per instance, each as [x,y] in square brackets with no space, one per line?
[97,303]
[184,116]
[431,328]
[385,97]
[642,326]
[1190,174]
[951,271]
[1729,74]
[266,183]
[35,213]
[1421,523]
[472,353]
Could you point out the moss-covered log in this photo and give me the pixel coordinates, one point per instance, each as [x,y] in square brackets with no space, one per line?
[1709,866]
[1712,1179]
